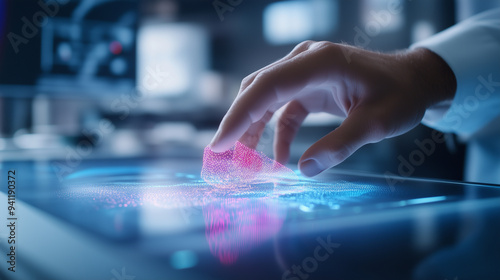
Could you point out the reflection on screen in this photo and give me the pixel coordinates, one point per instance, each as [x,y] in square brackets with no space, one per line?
[235,225]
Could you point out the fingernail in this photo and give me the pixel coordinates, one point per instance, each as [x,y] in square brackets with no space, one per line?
[214,140]
[310,168]
[213,148]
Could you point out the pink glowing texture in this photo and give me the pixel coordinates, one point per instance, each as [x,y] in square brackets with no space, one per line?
[236,225]
[241,165]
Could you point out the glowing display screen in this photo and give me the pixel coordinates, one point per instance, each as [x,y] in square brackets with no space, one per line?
[251,214]
[239,200]
[244,205]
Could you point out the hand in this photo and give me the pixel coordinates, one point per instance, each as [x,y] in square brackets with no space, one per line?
[380,96]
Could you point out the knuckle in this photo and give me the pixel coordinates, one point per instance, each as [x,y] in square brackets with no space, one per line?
[303,46]
[324,45]
[328,52]
[338,154]
[306,43]
[262,76]
[246,81]
[380,127]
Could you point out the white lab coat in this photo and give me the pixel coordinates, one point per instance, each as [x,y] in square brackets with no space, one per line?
[472,50]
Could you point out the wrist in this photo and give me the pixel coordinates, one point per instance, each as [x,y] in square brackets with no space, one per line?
[431,76]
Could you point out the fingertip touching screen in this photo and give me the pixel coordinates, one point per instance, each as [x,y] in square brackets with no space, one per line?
[242,165]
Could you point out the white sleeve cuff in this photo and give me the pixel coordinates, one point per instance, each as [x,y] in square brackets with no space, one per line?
[472,50]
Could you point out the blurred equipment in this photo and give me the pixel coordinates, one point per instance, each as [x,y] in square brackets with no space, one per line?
[90,50]
[57,59]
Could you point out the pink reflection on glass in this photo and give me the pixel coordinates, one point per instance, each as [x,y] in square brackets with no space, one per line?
[241,165]
[234,226]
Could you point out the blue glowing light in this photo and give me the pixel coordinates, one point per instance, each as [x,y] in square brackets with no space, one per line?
[425,200]
[183,259]
[108,171]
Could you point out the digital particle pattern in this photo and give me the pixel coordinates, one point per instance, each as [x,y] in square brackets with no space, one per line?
[241,165]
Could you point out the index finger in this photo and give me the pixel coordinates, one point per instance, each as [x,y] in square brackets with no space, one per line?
[275,85]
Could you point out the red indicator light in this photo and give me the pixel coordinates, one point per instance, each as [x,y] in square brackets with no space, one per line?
[115,47]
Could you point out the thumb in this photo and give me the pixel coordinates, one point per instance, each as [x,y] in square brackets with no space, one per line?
[355,131]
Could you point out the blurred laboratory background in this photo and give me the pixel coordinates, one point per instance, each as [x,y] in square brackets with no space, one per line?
[95,79]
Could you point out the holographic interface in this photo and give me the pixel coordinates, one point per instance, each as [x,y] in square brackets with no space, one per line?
[236,217]
[242,165]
